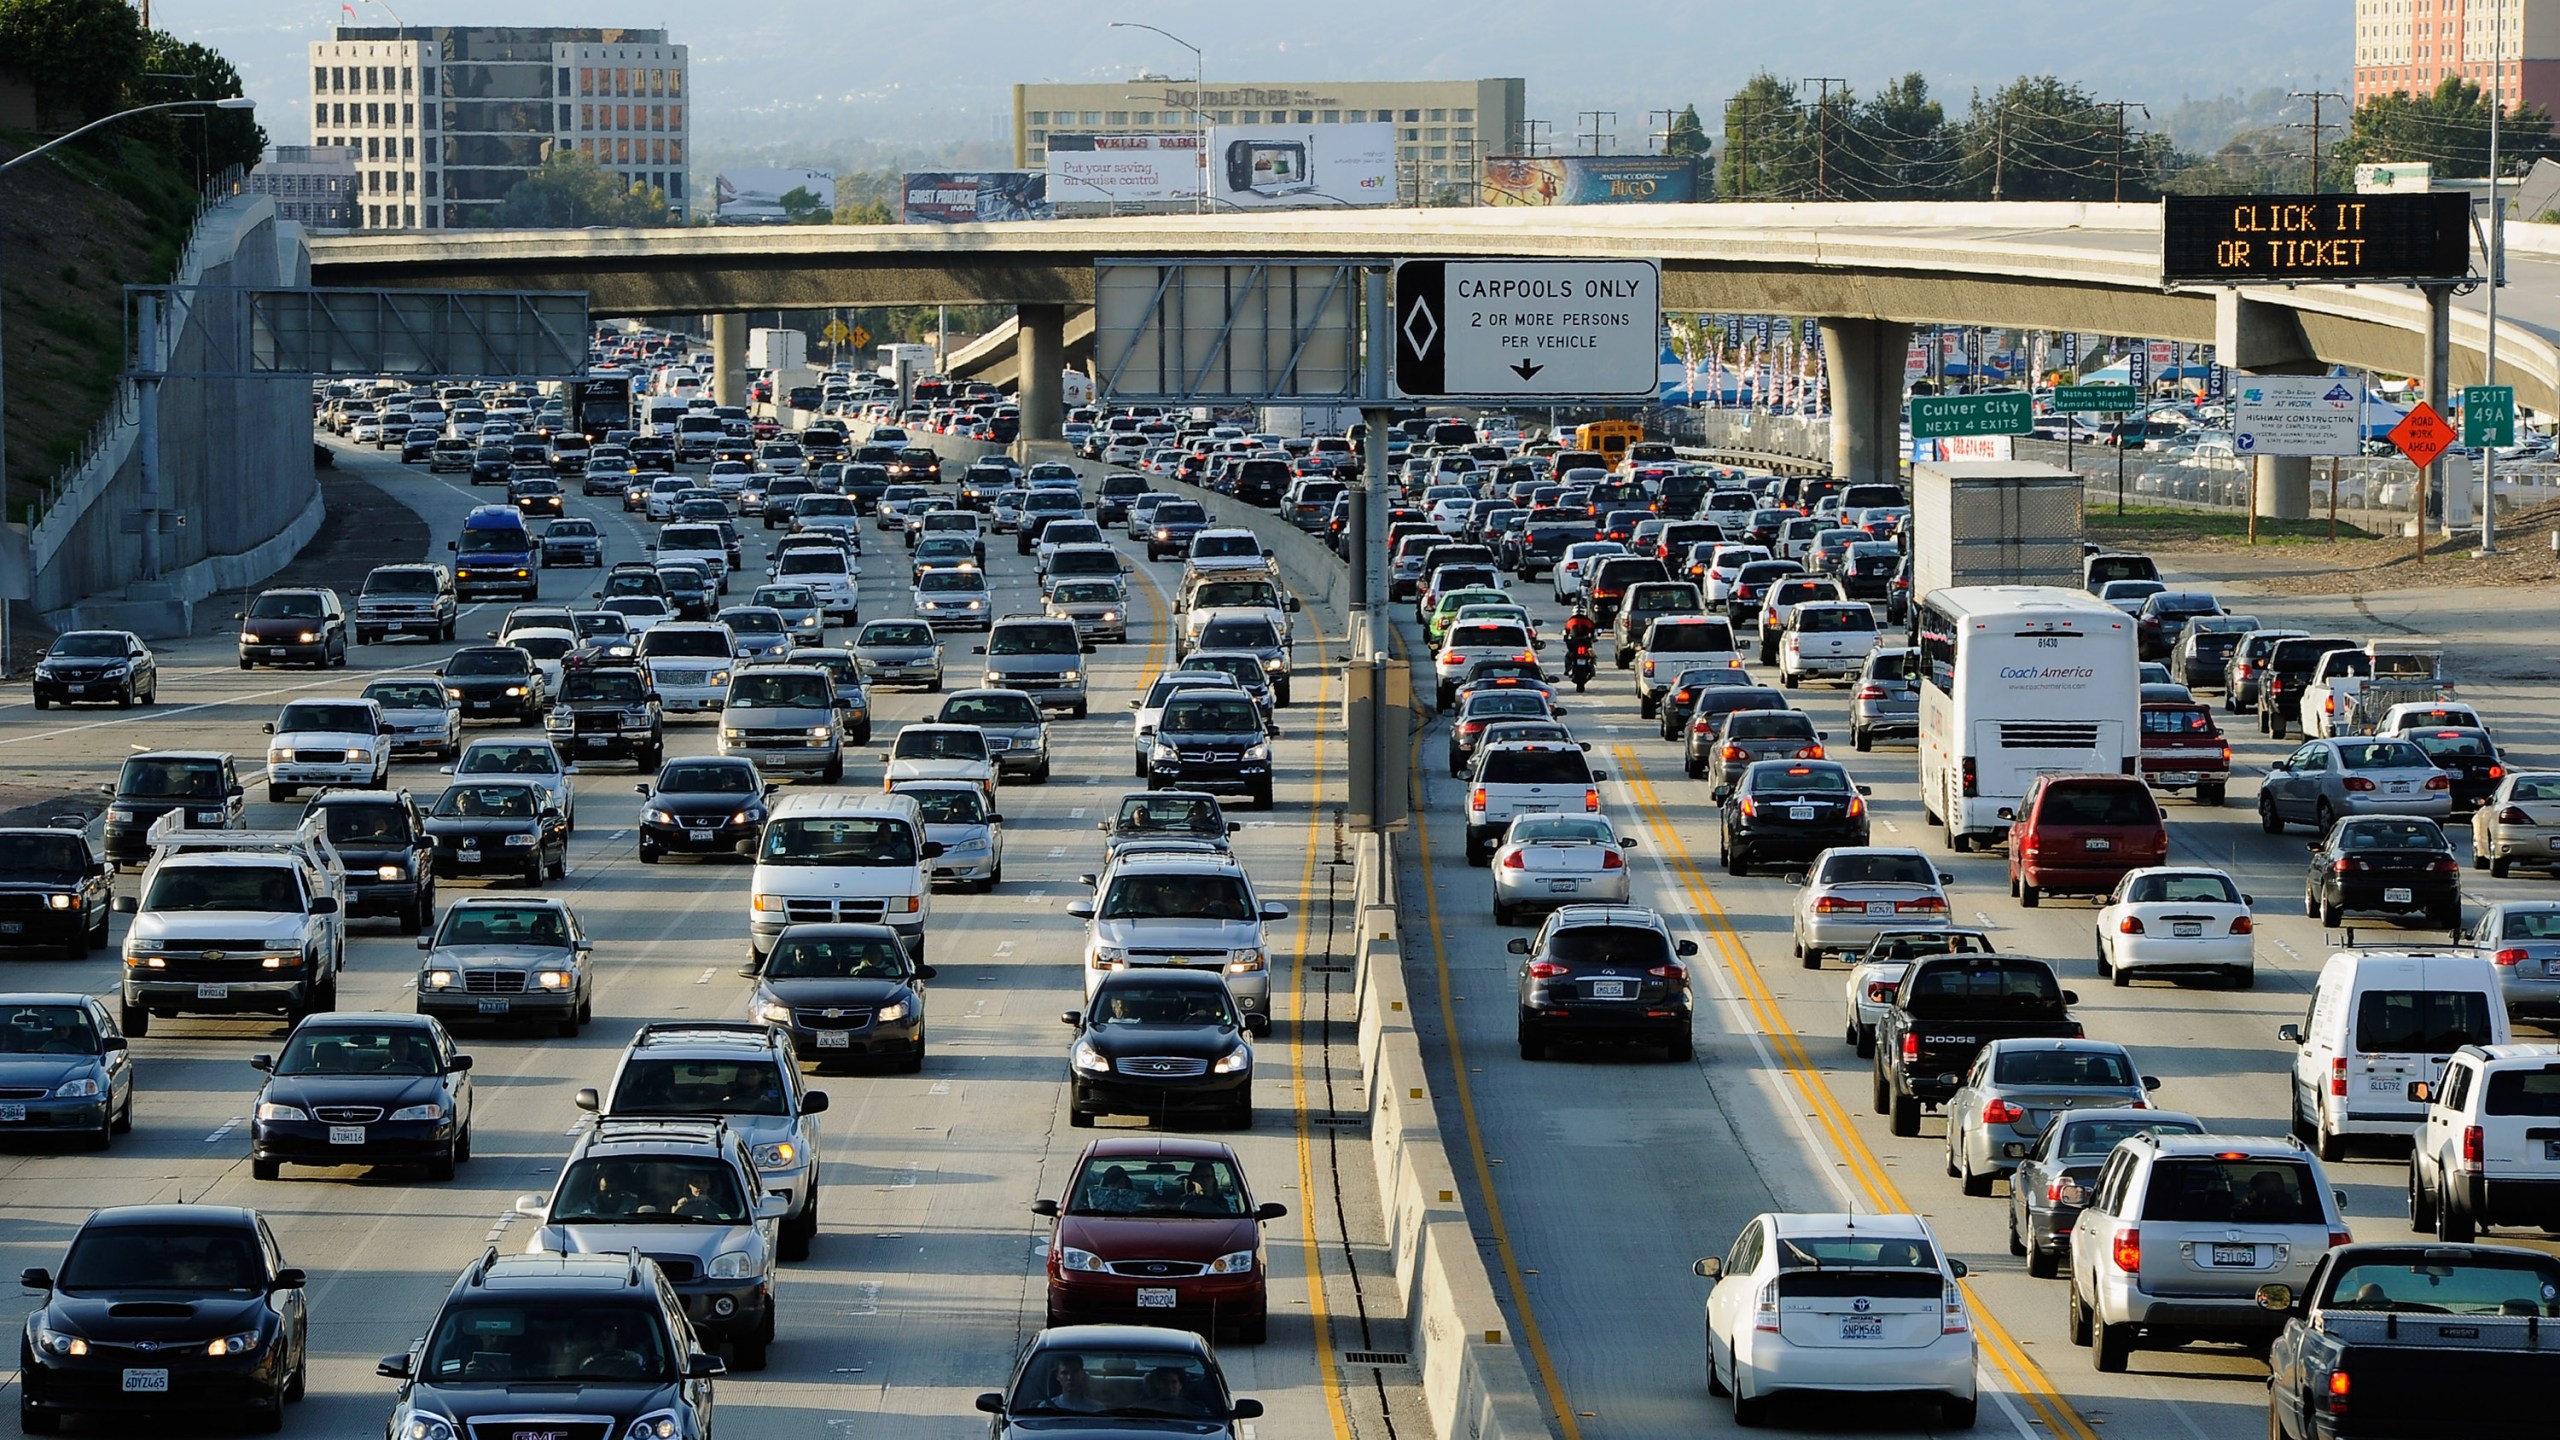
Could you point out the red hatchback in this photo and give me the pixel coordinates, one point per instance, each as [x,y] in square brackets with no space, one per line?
[1159,1231]
[2080,834]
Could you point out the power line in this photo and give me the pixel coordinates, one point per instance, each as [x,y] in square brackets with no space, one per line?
[2315,127]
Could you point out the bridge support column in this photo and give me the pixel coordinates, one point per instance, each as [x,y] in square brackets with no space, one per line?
[2283,487]
[1864,360]
[729,360]
[1040,344]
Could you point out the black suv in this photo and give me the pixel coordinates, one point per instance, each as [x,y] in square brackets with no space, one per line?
[608,712]
[1605,972]
[389,857]
[1213,740]
[204,785]
[553,1344]
[493,680]
[54,890]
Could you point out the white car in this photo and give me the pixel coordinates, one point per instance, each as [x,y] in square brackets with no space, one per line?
[701,545]
[1450,515]
[1716,585]
[1838,1304]
[2128,595]
[2177,919]
[549,647]
[327,742]
[536,762]
[1573,567]
[942,752]
[1547,860]
[640,612]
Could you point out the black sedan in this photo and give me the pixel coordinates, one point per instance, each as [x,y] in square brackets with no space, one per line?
[489,681]
[845,992]
[2396,865]
[701,806]
[97,667]
[352,1088]
[488,827]
[1160,1042]
[166,1311]
[1789,810]
[1110,1381]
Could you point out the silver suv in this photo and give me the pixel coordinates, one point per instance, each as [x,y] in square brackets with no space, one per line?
[783,719]
[1040,656]
[2182,1231]
[743,1074]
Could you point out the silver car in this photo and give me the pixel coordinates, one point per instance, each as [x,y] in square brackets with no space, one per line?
[536,762]
[1876,973]
[506,958]
[2017,1086]
[1548,860]
[762,632]
[803,618]
[899,652]
[1100,608]
[2523,937]
[1885,703]
[2351,775]
[971,834]
[950,597]
[422,716]
[2519,824]
[1015,728]
[2060,1172]
[1853,893]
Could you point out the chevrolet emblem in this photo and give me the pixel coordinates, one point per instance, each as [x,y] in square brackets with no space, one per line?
[214,955]
[1178,961]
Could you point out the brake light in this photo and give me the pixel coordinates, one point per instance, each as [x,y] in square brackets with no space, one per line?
[1764,1314]
[1731,752]
[1880,991]
[1513,861]
[2497,772]
[2358,782]
[1857,807]
[1870,692]
[1810,752]
[2063,1189]
[1547,970]
[2129,925]
[1749,806]
[2329,705]
[2439,782]
[2243,925]
[1476,801]
[2340,1237]
[1972,787]
[1679,973]
[2509,957]
[1612,860]
[2338,1075]
[2444,867]
[1910,1045]
[1591,801]
[2337,1392]
[2514,815]
[2001,1112]
[2346,863]
[1835,905]
[1951,1316]
[2472,1146]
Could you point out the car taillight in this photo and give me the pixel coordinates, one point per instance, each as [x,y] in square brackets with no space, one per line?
[2128,1250]
[1612,860]
[1513,861]
[1837,905]
[1670,973]
[1951,1316]
[1925,905]
[2497,772]
[1972,786]
[1547,970]
[1730,752]
[2001,1112]
[2129,925]
[2338,1075]
[1591,800]
[1870,692]
[2514,815]
[1880,992]
[2359,783]
[2509,957]
[1911,1045]
[1476,801]
[1810,752]
[2440,782]
[2346,863]
[2243,925]
[2063,1190]
[2473,1146]
[1857,807]
[1764,1315]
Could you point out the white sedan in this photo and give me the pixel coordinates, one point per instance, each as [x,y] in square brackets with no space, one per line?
[1722,568]
[2177,919]
[1574,565]
[1840,1304]
[1549,860]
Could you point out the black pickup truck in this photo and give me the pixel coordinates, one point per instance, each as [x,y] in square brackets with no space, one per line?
[1947,1008]
[2417,1340]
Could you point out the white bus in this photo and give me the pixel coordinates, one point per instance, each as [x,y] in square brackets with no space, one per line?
[2019,681]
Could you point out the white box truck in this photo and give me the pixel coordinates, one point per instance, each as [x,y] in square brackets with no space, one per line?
[1993,522]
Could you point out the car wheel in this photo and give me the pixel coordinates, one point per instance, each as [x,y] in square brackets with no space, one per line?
[1959,1414]
[1974,1185]
[2114,1347]
[2017,1246]
[1531,1047]
[2454,1222]
[2043,1264]
[2029,895]
[1079,1119]
[133,1020]
[265,1169]
[2076,1316]
[1750,1412]
[2331,915]
[1682,1049]
[1865,1042]
[278,794]
[2498,866]
[1860,740]
[648,853]
[1905,1119]
[2269,822]
[750,1350]
[2209,795]
[1504,914]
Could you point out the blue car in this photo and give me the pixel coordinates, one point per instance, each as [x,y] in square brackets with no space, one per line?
[62,1051]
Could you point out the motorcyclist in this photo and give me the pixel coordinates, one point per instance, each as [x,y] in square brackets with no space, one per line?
[1580,633]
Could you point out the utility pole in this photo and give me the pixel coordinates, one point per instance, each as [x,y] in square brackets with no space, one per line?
[2315,127]
[1530,129]
[1659,141]
[1999,146]
[2497,274]
[1822,132]
[1737,143]
[2122,106]
[1595,133]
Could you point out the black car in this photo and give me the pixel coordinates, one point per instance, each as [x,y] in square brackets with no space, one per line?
[862,483]
[1110,1381]
[654,452]
[2468,755]
[2053,1183]
[491,465]
[491,827]
[389,858]
[1705,719]
[2397,865]
[607,711]
[351,1088]
[97,666]
[844,992]
[419,443]
[283,626]
[1789,810]
[1206,740]
[54,890]
[1111,499]
[581,1347]
[917,465]
[203,785]
[689,592]
[2202,659]
[489,681]
[175,1311]
[1160,1042]
[1605,972]
[1261,481]
[701,806]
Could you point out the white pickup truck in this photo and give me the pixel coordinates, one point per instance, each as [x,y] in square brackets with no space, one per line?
[233,921]
[2350,690]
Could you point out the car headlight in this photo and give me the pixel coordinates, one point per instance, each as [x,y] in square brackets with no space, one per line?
[1246,961]
[1165,754]
[1240,1058]
[894,1010]
[777,1155]
[80,1089]
[121,814]
[278,1110]
[775,1012]
[519,840]
[55,1342]
[656,816]
[308,636]
[1110,957]
[424,1427]
[116,669]
[390,872]
[433,1110]
[61,902]
[279,757]
[1070,1258]
[734,1265]
[658,1425]
[773,903]
[552,979]
[245,1342]
[719,677]
[436,980]
[514,691]
[1257,752]
[732,733]
[819,732]
[1236,1262]
[1090,1060]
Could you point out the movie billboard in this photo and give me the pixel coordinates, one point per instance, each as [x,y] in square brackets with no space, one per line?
[971,197]
[1589,180]
[1123,169]
[754,197]
[1277,166]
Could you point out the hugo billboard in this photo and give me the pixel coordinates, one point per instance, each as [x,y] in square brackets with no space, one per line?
[1590,180]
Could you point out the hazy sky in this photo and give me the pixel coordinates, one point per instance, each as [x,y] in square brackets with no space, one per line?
[771,71]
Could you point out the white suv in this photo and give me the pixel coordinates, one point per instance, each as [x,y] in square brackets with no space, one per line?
[1526,777]
[2489,1150]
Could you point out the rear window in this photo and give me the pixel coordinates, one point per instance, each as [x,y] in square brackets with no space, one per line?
[2405,1022]
[1972,989]
[2094,1139]
[1830,621]
[1609,945]
[1712,635]
[1535,767]
[2215,1191]
[2177,720]
[2097,805]
[2525,1092]
[2063,1068]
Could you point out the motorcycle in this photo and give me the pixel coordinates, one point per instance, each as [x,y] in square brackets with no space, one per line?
[1579,663]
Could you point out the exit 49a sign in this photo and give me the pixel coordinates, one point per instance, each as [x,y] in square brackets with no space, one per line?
[1529,329]
[2488,415]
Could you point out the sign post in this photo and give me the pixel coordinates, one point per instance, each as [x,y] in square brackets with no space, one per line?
[2423,436]
[2074,400]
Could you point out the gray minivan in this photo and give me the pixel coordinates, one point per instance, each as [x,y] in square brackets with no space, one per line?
[783,719]
[1040,656]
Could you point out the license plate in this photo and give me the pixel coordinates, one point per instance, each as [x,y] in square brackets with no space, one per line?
[471,852]
[2235,1254]
[2396,895]
[2399,787]
[2383,1084]
[277,651]
[13,1111]
[1861,1327]
[494,1007]
[2551,967]
[11,927]
[1155,1297]
[1563,887]
[213,992]
[146,1382]
[2183,929]
[2551,1149]
[1800,812]
[77,689]
[1608,989]
[697,834]
[835,1040]
[346,1134]
[598,742]
[2094,844]
[1879,907]
[2554,842]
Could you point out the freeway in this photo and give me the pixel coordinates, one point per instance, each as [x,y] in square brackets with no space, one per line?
[926,1277]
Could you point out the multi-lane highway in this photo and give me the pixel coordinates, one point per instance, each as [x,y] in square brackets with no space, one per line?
[927,1275]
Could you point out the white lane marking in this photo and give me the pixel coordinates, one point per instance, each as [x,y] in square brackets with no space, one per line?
[705,977]
[1984,916]
[1077,813]
[225,1128]
[1057,852]
[978,1008]
[327,679]
[940,1087]
[505,1219]
[1004,947]
[866,1299]
[1889,825]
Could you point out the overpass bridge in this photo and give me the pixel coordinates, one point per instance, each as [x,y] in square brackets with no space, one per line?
[1868,273]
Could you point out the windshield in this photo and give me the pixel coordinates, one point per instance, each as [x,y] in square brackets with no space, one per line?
[371,823]
[358,1050]
[90,645]
[1258,635]
[919,743]
[294,606]
[1132,1185]
[952,582]
[836,957]
[25,853]
[488,802]
[779,692]
[708,779]
[1144,1004]
[2390,833]
[1768,779]
[694,644]
[48,1030]
[1153,816]
[786,597]
[138,1257]
[1826,620]
[480,540]
[899,633]
[840,840]
[653,1086]
[503,660]
[1177,897]
[1768,725]
[612,686]
[655,1190]
[1085,592]
[1220,545]
[1244,670]
[482,924]
[1203,716]
[1087,1381]
[1816,1252]
[1584,829]
[269,888]
[990,710]
[1034,640]
[753,622]
[504,759]
[170,780]
[544,647]
[2191,887]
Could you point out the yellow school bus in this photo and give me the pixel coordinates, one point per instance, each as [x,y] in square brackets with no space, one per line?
[1609,437]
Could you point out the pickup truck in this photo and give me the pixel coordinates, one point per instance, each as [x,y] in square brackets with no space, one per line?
[2351,689]
[229,921]
[1945,1010]
[2416,1340]
[2182,747]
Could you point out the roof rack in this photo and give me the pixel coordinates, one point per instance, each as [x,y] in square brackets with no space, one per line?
[170,835]
[479,1272]
[756,1031]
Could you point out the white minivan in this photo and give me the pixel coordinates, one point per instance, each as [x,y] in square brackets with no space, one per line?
[2381,1020]
[833,857]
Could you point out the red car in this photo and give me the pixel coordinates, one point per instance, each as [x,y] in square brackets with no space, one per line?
[2080,834]
[1159,1231]
[2182,747]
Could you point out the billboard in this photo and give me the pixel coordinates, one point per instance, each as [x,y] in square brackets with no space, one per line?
[967,197]
[1270,166]
[754,197]
[1123,169]
[1589,180]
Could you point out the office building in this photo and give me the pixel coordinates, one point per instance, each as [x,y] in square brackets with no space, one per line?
[1444,128]
[446,119]
[2413,45]
[313,185]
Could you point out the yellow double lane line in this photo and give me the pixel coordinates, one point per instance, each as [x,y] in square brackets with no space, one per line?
[2024,1375]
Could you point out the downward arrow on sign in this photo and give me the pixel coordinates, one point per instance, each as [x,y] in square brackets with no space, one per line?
[1526,368]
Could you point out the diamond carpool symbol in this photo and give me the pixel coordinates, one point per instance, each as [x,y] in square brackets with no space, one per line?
[1421,327]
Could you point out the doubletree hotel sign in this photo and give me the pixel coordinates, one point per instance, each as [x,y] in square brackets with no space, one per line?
[2289,239]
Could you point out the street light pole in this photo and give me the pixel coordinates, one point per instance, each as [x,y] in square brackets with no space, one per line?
[2497,273]
[234,102]
[1199,116]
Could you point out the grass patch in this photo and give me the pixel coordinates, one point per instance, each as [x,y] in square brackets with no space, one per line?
[2139,523]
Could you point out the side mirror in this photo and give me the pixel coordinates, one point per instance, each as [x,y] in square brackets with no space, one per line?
[288,1278]
[1958,1269]
[977,649]
[934,849]
[262,1062]
[1274,910]
[1720,794]
[1711,1268]
[1137,704]
[127,905]
[2070,997]
[1045,1207]
[1684,947]
[698,1366]
[1092,649]
[1950,1079]
[114,1043]
[2007,813]
[2421,1092]
[392,1367]
[1071,1018]
[588,1100]
[530,1205]
[1626,842]
[926,972]
[1795,878]
[268,728]
[1088,879]
[1080,909]
[324,905]
[2290,1034]
[991,1402]
[1946,877]
[1866,790]
[2278,1297]
[1599,774]
[1519,945]
[772,1207]
[1270,1210]
[1247,1409]
[2150,1082]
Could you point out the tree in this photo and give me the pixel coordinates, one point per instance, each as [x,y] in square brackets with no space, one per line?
[2039,138]
[2447,128]
[570,191]
[183,70]
[874,211]
[83,53]
[1896,146]
[1768,143]
[801,206]
[1688,137]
